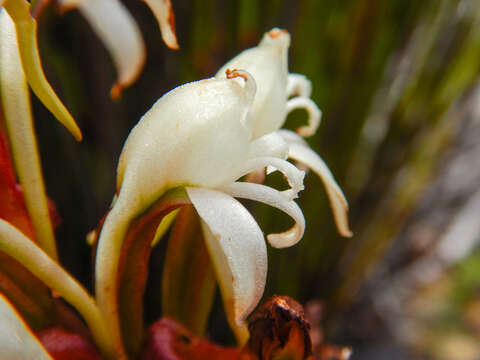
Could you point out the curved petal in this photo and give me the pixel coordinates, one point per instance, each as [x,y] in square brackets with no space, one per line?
[298,85]
[271,144]
[16,339]
[118,31]
[292,174]
[237,249]
[299,151]
[314,114]
[162,9]
[26,30]
[274,198]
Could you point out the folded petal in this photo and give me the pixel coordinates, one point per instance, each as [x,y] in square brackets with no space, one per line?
[291,173]
[237,250]
[314,114]
[299,151]
[118,31]
[26,40]
[274,198]
[298,85]
[17,342]
[162,9]
[271,144]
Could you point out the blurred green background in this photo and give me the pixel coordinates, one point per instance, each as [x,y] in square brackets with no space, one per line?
[397,82]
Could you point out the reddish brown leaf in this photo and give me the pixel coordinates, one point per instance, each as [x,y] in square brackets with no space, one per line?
[133,271]
[12,204]
[168,340]
[63,345]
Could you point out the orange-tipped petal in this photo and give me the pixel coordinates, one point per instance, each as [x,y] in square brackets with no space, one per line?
[163,11]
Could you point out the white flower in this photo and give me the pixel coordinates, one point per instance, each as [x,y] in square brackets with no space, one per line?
[278,93]
[199,137]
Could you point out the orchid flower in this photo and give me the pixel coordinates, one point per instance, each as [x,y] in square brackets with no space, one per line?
[117,29]
[278,93]
[198,137]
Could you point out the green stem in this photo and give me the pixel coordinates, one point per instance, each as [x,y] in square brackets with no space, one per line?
[16,104]
[26,252]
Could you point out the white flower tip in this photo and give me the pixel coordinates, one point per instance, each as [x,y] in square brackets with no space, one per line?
[339,206]
[163,11]
[169,35]
[277,37]
[346,232]
[287,238]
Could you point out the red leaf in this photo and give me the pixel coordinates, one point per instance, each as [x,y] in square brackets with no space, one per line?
[12,204]
[63,345]
[168,340]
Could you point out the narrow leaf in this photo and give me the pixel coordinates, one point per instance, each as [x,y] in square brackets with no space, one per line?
[26,34]
[16,103]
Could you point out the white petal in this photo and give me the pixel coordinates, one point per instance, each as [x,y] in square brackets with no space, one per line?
[237,249]
[196,134]
[292,174]
[272,145]
[17,342]
[314,114]
[162,9]
[302,153]
[272,197]
[117,29]
[298,85]
[268,63]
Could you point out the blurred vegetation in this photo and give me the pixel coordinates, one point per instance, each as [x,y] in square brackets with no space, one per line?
[393,79]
